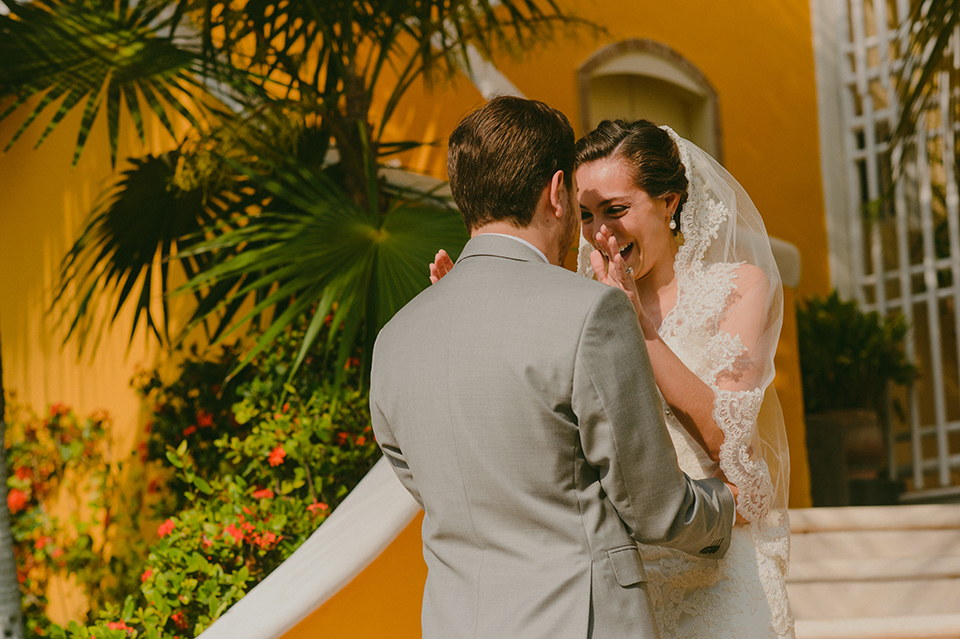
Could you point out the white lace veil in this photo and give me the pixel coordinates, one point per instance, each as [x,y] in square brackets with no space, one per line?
[731,296]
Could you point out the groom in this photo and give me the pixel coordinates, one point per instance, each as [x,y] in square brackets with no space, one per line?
[516,403]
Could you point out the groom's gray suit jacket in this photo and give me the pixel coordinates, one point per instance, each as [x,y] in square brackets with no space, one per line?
[516,402]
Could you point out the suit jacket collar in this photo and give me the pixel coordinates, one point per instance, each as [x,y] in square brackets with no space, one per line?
[498,246]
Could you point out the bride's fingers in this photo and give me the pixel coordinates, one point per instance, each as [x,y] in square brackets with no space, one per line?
[441,266]
[598,262]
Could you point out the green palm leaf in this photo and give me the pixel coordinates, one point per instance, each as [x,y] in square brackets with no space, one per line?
[98,52]
[131,234]
[927,64]
[318,251]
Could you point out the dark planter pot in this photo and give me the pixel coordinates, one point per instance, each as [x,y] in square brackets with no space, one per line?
[847,453]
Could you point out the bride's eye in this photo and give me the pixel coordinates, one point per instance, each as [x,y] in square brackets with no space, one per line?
[585,215]
[617,210]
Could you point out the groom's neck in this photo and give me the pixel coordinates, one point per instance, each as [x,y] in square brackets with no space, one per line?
[536,235]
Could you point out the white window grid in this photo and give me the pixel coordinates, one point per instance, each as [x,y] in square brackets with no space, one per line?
[887,276]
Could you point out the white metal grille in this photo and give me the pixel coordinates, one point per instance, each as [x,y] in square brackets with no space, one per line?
[904,244]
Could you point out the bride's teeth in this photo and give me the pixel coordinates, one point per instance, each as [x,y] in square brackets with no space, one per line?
[626,248]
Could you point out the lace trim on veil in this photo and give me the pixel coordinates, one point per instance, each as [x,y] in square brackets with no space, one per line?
[703,293]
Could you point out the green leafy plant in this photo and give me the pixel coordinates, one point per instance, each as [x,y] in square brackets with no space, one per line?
[65,460]
[848,357]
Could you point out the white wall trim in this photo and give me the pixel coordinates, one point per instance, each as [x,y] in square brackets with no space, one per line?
[825,17]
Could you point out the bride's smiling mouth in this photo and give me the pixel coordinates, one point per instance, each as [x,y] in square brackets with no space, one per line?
[625,251]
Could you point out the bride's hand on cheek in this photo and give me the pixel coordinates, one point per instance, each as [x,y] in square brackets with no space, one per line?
[613,272]
[440,267]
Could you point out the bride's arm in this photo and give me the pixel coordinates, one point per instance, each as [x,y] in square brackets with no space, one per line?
[690,399]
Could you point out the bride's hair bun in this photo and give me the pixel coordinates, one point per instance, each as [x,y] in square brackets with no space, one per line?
[649,150]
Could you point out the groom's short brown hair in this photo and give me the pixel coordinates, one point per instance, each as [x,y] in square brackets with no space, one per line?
[503,155]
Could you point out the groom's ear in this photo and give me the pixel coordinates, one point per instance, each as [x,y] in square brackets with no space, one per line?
[557,194]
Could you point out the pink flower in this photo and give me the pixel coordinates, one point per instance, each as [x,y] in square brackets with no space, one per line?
[165,528]
[266,493]
[276,456]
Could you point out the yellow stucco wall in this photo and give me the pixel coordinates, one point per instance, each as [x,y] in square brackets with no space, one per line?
[43,203]
[757,54]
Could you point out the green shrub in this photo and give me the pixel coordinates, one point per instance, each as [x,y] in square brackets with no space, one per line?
[252,467]
[847,357]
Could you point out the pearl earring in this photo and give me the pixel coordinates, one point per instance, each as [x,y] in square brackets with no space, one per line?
[673,224]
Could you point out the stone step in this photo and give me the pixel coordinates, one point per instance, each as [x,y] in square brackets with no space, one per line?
[885,572]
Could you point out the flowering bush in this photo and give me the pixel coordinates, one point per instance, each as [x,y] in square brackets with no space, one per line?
[61,455]
[248,487]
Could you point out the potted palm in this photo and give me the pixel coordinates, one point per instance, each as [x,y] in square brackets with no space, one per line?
[848,359]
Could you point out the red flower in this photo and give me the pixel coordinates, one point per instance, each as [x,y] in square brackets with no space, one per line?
[286,406]
[41,543]
[267,540]
[146,575]
[189,430]
[276,456]
[16,500]
[178,619]
[353,362]
[165,528]
[342,438]
[22,473]
[204,419]
[234,532]
[266,493]
[118,625]
[361,440]
[59,409]
[207,542]
[314,507]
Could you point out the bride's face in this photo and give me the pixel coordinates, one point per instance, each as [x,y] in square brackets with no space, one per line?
[640,223]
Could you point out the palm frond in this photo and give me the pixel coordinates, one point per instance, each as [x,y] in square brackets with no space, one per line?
[140,223]
[931,57]
[318,251]
[96,52]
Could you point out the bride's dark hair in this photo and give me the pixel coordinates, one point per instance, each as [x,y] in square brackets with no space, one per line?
[649,150]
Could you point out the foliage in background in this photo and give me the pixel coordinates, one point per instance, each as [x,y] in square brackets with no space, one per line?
[249,469]
[93,533]
[848,357]
[278,197]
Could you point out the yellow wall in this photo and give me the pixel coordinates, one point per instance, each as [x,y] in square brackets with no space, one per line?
[758,56]
[43,203]
[756,53]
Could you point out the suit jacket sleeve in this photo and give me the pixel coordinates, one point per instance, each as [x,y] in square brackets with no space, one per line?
[624,437]
[390,447]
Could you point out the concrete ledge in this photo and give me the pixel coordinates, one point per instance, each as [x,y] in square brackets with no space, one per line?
[885,569]
[925,517]
[928,627]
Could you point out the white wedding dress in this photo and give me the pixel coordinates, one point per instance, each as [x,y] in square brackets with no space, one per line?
[725,327]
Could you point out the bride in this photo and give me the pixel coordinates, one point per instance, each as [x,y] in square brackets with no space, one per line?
[691,252]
